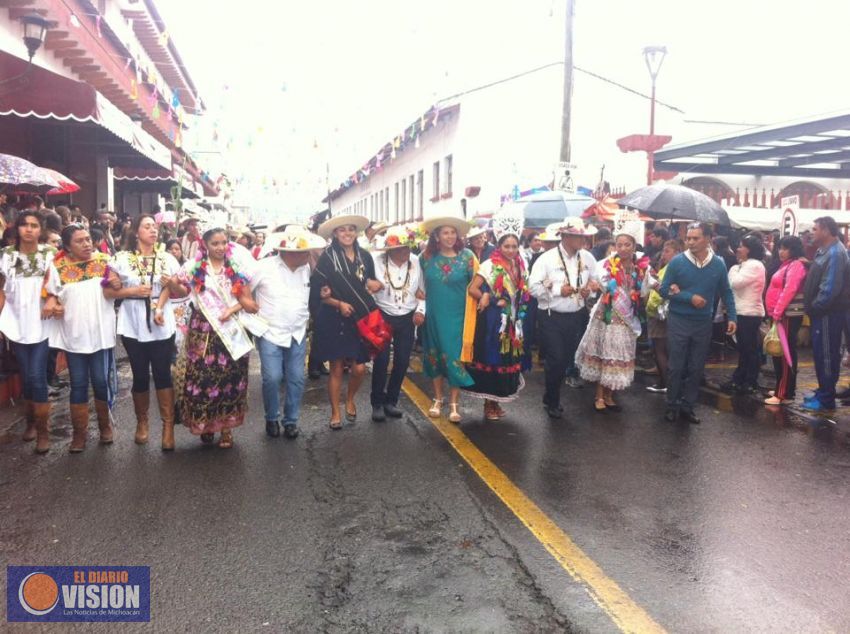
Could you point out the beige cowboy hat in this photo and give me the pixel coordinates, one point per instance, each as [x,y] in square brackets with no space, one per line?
[377,227]
[478,227]
[460,224]
[293,239]
[327,228]
[574,226]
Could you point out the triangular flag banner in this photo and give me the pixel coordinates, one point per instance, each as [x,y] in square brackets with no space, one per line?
[155,111]
[97,23]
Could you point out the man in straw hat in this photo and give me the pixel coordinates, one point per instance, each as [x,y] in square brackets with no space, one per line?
[562,280]
[281,286]
[398,269]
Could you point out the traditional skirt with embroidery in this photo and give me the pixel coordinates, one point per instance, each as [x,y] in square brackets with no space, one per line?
[497,375]
[606,353]
[215,393]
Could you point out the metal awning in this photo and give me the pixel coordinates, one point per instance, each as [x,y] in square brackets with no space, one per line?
[811,148]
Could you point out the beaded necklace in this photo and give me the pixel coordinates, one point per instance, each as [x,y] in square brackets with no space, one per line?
[399,292]
[567,272]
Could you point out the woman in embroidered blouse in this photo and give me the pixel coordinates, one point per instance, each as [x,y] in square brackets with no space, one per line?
[23,320]
[145,278]
[501,289]
[606,354]
[85,330]
[215,391]
[347,274]
[448,268]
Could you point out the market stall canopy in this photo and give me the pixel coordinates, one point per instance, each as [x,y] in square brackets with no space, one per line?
[605,210]
[817,147]
[545,208]
[759,219]
[47,95]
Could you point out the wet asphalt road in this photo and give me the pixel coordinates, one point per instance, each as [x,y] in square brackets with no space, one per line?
[739,524]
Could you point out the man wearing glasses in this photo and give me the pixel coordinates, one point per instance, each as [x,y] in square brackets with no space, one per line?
[692,281]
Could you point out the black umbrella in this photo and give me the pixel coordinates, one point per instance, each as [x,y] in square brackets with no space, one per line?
[675,202]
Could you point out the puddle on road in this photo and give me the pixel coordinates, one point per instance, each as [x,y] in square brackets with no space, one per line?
[823,428]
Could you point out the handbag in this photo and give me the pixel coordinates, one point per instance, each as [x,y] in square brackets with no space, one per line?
[772,346]
[375,332]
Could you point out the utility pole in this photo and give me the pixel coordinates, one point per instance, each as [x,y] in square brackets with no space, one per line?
[568,83]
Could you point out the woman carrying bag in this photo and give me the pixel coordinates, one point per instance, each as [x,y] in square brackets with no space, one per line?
[348,326]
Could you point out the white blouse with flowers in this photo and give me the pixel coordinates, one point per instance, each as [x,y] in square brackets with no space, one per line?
[88,324]
[24,277]
[134,321]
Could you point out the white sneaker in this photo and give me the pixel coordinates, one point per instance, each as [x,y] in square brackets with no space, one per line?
[656,388]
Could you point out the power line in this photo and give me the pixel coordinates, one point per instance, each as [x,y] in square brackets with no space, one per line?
[560,63]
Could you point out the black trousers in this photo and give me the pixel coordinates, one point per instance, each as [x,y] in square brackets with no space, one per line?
[403,338]
[749,359]
[150,357]
[559,336]
[786,375]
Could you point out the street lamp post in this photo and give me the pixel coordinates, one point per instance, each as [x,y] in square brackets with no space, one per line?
[654,57]
[35,28]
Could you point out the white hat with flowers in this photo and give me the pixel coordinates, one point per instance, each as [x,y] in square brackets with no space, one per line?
[398,236]
[293,239]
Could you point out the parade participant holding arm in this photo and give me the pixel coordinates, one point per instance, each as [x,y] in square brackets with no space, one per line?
[562,280]
[448,268]
[347,271]
[24,320]
[692,281]
[144,276]
[606,354]
[281,286]
[398,270]
[215,389]
[85,330]
[500,287]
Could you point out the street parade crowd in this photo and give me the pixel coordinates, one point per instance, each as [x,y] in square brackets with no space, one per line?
[190,303]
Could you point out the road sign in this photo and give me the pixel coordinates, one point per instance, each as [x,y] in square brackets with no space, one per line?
[790,201]
[789,222]
[563,177]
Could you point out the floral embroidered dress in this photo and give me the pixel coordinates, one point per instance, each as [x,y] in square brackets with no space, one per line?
[606,353]
[24,276]
[215,387]
[499,357]
[446,281]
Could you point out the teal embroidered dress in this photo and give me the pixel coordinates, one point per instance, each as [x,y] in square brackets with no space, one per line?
[446,281]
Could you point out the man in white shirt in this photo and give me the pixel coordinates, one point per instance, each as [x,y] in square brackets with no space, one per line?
[281,286]
[399,301]
[562,280]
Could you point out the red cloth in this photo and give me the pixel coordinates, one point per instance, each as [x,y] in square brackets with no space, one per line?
[375,331]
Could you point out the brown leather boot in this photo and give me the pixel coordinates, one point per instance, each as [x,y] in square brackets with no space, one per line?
[80,423]
[141,403]
[41,412]
[29,413]
[165,398]
[103,422]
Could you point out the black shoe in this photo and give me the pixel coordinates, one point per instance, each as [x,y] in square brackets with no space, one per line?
[392,411]
[323,370]
[730,387]
[314,374]
[670,415]
[378,414]
[554,412]
[689,416]
[272,429]
[843,394]
[290,430]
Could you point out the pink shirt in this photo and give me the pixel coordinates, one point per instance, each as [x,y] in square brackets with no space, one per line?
[785,283]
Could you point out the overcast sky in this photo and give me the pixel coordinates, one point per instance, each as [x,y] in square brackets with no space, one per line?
[293,86]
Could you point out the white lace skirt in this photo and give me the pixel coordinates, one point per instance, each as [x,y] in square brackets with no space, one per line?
[606,353]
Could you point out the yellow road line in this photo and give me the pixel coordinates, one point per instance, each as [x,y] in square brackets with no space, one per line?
[625,613]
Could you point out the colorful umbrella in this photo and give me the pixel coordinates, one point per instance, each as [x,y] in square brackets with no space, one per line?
[19,172]
[66,185]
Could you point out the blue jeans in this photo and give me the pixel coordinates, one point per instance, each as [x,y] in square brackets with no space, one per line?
[85,367]
[32,357]
[279,364]
[826,349]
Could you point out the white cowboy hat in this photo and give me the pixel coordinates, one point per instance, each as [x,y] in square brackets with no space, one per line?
[574,226]
[327,228]
[400,236]
[478,227]
[460,224]
[550,234]
[294,239]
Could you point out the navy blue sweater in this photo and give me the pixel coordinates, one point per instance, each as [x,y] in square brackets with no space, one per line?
[707,282]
